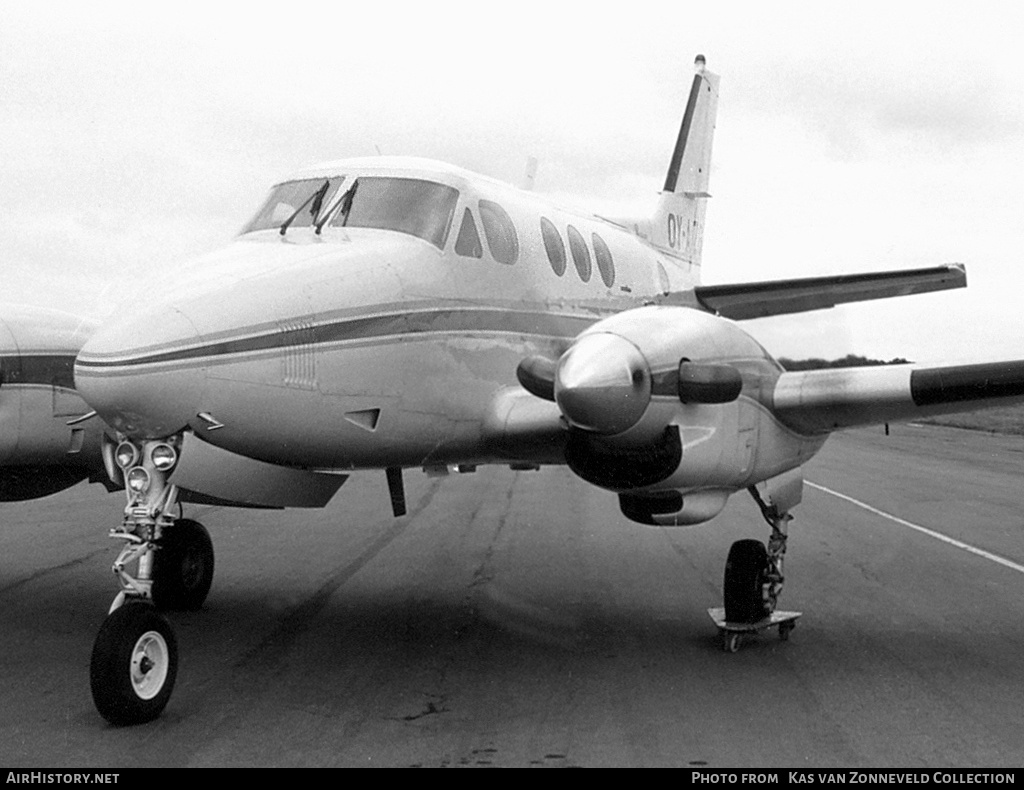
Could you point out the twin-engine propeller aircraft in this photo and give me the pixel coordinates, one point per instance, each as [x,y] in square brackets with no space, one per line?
[394,313]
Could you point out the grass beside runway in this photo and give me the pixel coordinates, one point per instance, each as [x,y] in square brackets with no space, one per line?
[1005,419]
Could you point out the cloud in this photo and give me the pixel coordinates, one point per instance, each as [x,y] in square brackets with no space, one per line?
[862,114]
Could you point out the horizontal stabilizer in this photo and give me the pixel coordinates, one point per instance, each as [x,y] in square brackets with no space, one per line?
[820,401]
[757,300]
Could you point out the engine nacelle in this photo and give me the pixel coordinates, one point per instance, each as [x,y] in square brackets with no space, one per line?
[40,453]
[630,376]
[674,509]
[660,398]
[624,468]
[669,407]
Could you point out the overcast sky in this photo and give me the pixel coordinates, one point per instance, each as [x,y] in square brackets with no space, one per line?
[851,137]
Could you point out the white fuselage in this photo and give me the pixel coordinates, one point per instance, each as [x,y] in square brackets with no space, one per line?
[362,347]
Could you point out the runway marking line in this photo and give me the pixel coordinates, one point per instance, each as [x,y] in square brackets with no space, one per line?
[988,555]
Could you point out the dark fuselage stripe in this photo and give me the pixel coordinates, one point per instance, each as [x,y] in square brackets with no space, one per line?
[48,369]
[447,321]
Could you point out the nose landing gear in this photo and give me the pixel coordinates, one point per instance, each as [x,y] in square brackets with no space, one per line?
[135,656]
[753,583]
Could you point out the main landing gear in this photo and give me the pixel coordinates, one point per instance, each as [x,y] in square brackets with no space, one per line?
[753,582]
[135,656]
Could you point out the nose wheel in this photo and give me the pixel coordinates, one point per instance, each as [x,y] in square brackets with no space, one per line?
[134,664]
[746,580]
[182,567]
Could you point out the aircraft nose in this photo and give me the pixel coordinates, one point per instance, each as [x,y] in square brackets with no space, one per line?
[139,374]
[603,384]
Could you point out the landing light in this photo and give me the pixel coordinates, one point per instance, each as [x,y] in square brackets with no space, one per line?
[163,457]
[137,479]
[126,454]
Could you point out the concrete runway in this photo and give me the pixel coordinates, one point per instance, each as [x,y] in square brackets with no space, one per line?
[517,619]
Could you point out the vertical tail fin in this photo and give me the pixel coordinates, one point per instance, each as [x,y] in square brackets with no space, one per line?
[678,222]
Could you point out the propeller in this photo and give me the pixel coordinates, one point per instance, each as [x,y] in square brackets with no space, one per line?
[603,383]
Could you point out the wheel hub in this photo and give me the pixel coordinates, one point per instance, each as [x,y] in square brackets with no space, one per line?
[150,660]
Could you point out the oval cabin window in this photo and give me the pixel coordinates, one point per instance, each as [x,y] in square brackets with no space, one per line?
[553,245]
[580,253]
[605,265]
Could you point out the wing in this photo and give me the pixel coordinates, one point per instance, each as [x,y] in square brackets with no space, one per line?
[812,402]
[757,300]
[820,401]
[526,425]
[674,409]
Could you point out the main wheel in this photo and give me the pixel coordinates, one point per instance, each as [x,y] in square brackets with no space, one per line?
[746,574]
[183,567]
[134,664]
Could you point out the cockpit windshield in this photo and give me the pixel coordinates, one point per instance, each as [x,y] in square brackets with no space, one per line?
[301,201]
[408,205]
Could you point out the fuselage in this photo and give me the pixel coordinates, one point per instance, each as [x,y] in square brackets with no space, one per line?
[381,338]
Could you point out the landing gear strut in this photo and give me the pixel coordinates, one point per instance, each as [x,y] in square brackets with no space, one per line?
[753,573]
[778,520]
[753,582]
[135,656]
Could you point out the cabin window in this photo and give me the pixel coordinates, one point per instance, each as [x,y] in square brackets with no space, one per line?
[409,205]
[468,242]
[603,256]
[295,196]
[554,245]
[500,232]
[580,254]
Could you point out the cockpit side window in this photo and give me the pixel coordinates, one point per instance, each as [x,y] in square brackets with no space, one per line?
[500,232]
[468,242]
[408,205]
[286,199]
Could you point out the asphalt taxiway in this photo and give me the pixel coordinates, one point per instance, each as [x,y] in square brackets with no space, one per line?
[517,619]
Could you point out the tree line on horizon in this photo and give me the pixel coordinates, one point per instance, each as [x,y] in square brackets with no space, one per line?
[849,361]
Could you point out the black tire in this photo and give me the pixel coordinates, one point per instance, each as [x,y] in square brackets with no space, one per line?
[746,572]
[134,664]
[183,567]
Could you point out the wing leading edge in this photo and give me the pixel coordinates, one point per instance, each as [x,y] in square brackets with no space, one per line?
[760,299]
[821,401]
